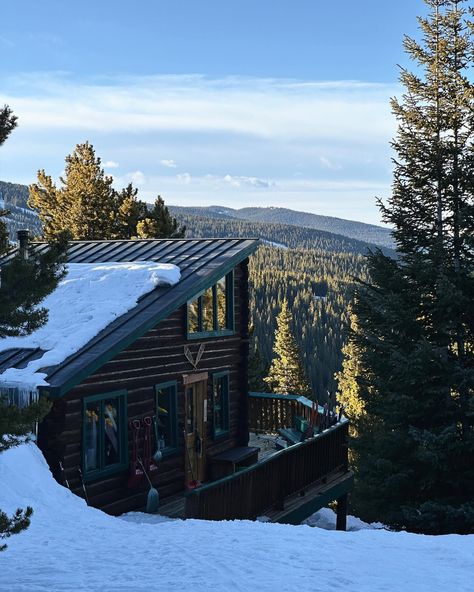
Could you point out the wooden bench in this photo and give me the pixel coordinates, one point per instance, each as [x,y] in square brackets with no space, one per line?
[228,462]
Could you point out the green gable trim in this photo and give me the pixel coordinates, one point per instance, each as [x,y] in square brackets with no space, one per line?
[123,342]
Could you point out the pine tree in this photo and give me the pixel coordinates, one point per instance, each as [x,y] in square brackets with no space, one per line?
[84,206]
[348,394]
[159,223]
[87,207]
[130,211]
[25,281]
[415,335]
[8,122]
[256,365]
[286,374]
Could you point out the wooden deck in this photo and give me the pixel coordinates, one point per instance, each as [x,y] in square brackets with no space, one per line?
[285,486]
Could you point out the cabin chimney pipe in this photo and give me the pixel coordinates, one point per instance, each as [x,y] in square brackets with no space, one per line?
[23,240]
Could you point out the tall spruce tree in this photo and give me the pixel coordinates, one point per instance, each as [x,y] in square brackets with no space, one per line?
[348,394]
[286,374]
[25,281]
[256,365]
[415,331]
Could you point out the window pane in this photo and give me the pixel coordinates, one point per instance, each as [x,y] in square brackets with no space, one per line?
[111,434]
[165,417]
[193,317]
[221,304]
[92,436]
[220,404]
[207,311]
[189,411]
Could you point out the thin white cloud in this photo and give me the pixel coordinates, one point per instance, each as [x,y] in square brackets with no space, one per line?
[111,164]
[137,178]
[319,146]
[184,178]
[170,164]
[329,164]
[256,107]
[6,41]
[240,181]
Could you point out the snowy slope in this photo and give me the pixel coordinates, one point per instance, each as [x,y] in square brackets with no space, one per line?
[88,299]
[70,547]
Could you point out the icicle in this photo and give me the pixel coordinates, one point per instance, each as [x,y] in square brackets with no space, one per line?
[19,394]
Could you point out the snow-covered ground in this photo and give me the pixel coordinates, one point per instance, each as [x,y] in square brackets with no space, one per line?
[274,244]
[88,299]
[70,547]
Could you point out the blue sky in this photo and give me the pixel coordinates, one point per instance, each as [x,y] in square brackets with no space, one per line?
[231,102]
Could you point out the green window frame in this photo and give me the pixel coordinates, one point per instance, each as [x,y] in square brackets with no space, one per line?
[167,416]
[204,314]
[220,403]
[104,435]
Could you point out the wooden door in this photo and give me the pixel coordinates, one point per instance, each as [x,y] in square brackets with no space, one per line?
[195,426]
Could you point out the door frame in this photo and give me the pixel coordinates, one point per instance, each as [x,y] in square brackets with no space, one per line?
[195,443]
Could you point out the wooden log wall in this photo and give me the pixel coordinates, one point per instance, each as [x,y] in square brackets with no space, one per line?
[156,357]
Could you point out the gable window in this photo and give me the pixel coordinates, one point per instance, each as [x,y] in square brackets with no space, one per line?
[105,434]
[220,403]
[166,417]
[212,311]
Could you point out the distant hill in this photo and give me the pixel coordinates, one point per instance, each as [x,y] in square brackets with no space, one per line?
[313,268]
[275,234]
[13,198]
[368,233]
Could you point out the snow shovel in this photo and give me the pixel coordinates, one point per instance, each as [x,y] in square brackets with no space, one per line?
[153,499]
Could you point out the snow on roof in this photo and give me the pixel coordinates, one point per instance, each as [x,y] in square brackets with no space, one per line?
[88,299]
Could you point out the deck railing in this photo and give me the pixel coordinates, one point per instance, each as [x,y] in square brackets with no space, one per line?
[253,490]
[269,412]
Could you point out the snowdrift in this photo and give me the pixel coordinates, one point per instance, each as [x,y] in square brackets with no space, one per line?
[70,547]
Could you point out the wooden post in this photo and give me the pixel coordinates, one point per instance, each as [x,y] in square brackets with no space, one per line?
[341,519]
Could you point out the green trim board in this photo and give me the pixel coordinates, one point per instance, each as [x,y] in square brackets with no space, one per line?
[202,265]
[172,392]
[222,378]
[104,435]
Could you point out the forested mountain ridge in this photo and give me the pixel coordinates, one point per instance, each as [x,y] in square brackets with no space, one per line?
[13,199]
[314,270]
[315,273]
[288,235]
[361,231]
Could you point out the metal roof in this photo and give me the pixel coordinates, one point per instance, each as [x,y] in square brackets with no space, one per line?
[201,261]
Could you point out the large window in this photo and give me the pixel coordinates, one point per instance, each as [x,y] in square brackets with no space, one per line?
[105,434]
[166,417]
[212,311]
[220,403]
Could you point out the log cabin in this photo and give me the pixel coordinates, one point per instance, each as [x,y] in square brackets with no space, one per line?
[161,394]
